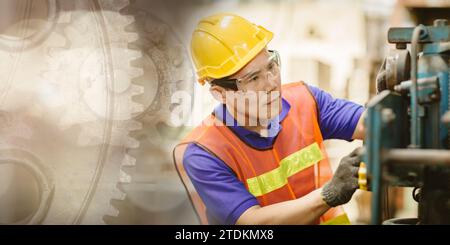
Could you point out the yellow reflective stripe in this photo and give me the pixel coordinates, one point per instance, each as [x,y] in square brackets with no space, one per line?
[289,166]
[339,220]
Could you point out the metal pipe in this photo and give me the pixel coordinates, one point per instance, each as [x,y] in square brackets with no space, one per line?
[418,156]
[406,85]
[418,33]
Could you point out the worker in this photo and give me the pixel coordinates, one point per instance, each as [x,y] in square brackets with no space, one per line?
[275,171]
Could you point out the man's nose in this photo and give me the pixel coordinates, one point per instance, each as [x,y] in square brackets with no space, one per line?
[270,82]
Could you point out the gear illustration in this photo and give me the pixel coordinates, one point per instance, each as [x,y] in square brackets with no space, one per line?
[99,89]
[153,191]
[39,173]
[24,28]
[27,37]
[21,31]
[82,84]
[92,116]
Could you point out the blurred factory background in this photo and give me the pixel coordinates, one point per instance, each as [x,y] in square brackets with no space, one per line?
[86,86]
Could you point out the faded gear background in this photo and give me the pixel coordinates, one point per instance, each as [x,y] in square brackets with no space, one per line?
[85,91]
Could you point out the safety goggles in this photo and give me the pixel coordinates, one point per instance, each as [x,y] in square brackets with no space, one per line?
[272,68]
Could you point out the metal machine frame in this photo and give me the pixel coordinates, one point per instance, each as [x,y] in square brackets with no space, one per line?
[407,124]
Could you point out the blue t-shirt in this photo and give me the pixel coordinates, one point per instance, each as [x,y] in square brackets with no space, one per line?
[224,195]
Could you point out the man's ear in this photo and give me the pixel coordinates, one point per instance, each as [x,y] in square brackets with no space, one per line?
[218,93]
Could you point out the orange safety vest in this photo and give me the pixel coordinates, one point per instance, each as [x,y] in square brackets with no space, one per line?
[296,164]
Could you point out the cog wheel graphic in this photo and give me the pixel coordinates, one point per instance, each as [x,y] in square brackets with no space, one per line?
[93,70]
[33,29]
[87,90]
[27,184]
[77,99]
[24,30]
[22,34]
[153,191]
[24,162]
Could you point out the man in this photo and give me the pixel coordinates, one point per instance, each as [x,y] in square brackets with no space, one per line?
[274,171]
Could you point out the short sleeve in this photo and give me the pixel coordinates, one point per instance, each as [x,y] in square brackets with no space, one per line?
[224,195]
[338,118]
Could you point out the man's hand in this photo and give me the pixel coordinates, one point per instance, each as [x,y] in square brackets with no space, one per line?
[340,188]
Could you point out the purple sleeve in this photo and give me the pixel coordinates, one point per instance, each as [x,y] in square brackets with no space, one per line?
[225,196]
[337,117]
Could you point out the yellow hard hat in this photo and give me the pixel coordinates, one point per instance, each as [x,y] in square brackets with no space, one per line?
[224,43]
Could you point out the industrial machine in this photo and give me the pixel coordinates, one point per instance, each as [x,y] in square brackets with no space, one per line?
[407,125]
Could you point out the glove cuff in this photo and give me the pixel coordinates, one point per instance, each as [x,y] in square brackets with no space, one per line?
[329,195]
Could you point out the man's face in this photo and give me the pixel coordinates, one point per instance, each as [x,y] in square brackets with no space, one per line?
[259,90]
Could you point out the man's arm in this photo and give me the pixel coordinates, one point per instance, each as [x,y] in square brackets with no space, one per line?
[338,118]
[360,130]
[302,211]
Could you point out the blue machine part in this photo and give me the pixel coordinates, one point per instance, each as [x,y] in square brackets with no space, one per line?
[406,143]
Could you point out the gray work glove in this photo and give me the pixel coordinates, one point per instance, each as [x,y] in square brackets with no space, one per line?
[340,188]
